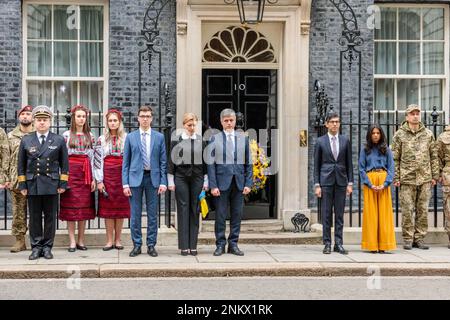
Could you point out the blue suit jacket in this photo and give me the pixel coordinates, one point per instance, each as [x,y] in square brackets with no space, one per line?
[220,174]
[133,169]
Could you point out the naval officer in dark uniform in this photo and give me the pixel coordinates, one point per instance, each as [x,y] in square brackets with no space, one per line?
[43,167]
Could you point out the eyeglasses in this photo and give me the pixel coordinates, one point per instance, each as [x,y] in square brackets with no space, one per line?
[334,121]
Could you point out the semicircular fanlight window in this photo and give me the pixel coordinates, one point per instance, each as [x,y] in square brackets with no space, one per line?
[239,44]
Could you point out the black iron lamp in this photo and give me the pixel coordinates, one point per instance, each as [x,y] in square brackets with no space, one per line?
[251,11]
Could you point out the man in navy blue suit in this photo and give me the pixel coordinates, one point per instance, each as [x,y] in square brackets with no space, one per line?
[144,170]
[333,179]
[230,175]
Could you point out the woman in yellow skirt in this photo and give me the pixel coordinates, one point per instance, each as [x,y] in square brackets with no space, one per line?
[376,169]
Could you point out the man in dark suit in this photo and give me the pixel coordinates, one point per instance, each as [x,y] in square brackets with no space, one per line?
[230,175]
[333,179]
[43,166]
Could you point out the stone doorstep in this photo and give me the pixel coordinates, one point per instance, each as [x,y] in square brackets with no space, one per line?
[307,269]
[168,237]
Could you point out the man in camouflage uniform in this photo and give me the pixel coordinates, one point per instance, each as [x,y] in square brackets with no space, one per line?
[19,201]
[416,171]
[4,158]
[443,148]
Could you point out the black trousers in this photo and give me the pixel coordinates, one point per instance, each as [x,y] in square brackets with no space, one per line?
[42,237]
[333,199]
[187,190]
[233,199]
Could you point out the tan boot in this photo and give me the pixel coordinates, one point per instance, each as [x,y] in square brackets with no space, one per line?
[19,245]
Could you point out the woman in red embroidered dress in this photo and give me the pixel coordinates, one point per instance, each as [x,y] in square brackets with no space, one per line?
[113,205]
[77,203]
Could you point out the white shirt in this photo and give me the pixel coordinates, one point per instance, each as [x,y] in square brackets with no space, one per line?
[185,136]
[171,178]
[337,142]
[148,140]
[40,134]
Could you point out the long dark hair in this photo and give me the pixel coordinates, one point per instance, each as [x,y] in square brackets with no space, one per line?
[382,144]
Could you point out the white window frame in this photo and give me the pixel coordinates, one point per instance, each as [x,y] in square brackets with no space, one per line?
[105,41]
[444,77]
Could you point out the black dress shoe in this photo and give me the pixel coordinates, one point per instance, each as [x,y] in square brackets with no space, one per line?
[219,251]
[119,247]
[152,251]
[48,254]
[136,251]
[235,250]
[194,252]
[108,248]
[35,254]
[72,249]
[327,249]
[339,248]
[83,248]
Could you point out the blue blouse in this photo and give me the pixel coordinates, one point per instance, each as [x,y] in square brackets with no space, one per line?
[376,160]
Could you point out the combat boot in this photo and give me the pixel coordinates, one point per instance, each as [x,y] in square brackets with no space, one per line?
[407,245]
[448,241]
[420,245]
[19,245]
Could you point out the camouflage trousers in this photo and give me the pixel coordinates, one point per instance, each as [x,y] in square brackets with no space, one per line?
[414,198]
[19,209]
[446,198]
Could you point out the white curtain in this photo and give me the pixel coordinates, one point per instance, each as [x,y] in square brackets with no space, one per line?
[431,90]
[91,28]
[384,94]
[65,94]
[407,93]
[39,51]
[39,92]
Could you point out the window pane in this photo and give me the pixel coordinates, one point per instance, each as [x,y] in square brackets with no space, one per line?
[385,58]
[409,24]
[65,23]
[65,59]
[431,94]
[65,95]
[407,93]
[39,58]
[433,24]
[39,92]
[433,58]
[91,61]
[91,26]
[388,30]
[384,94]
[91,95]
[409,58]
[39,22]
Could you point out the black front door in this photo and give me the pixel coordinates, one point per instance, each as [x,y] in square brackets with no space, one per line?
[254,94]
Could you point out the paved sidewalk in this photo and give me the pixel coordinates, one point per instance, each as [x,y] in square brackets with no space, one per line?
[259,260]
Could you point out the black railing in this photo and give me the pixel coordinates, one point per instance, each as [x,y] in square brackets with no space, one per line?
[97,127]
[390,121]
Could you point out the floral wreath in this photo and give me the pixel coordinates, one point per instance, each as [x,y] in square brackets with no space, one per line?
[260,165]
[115,111]
[80,107]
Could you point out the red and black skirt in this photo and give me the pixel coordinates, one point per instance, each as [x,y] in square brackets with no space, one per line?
[115,205]
[77,203]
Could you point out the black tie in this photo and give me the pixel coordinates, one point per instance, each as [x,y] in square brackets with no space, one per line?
[42,140]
